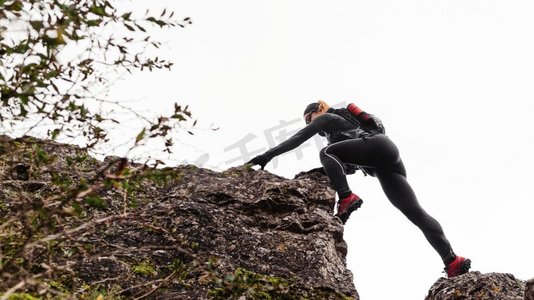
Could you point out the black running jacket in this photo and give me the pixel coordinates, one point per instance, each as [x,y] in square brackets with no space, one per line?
[334,127]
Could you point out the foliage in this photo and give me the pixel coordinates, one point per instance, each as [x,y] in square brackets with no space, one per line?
[20,296]
[56,58]
[59,196]
[56,62]
[252,286]
[245,284]
[145,268]
[62,247]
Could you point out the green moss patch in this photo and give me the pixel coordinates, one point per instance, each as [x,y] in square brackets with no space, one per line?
[145,268]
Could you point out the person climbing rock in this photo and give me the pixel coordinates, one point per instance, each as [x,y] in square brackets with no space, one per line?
[352,146]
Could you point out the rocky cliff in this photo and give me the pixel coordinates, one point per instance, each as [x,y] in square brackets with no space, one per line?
[75,227]
[477,286]
[180,233]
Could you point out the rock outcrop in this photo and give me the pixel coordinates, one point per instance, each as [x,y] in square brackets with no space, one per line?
[477,286]
[529,290]
[237,234]
[179,233]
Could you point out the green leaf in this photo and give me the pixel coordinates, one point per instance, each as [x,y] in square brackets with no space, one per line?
[51,74]
[95,201]
[129,27]
[55,134]
[140,28]
[154,20]
[127,15]
[93,23]
[40,83]
[37,25]
[77,208]
[41,155]
[98,10]
[16,6]
[140,136]
[179,117]
[23,111]
[24,99]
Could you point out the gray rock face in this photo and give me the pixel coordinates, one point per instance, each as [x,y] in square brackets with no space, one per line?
[529,290]
[477,286]
[187,234]
[264,223]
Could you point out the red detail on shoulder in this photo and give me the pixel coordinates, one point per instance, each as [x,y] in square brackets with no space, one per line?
[365,116]
[354,109]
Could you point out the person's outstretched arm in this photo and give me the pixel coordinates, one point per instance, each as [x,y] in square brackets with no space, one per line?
[318,124]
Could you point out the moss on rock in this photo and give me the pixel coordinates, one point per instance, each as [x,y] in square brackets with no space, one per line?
[145,268]
[251,285]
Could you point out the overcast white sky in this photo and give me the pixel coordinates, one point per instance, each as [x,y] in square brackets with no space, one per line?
[452,80]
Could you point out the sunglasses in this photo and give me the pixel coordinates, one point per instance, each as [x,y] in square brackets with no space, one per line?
[307,118]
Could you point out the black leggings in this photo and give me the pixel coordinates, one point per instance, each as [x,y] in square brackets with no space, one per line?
[381,156]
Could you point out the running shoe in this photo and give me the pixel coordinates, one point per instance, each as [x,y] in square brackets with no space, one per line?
[347,205]
[460,265]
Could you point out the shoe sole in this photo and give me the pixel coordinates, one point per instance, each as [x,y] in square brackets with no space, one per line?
[466,265]
[345,216]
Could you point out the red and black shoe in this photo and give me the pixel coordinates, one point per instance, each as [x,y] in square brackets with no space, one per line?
[460,265]
[347,205]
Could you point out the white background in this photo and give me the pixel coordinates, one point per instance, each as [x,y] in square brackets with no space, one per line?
[452,81]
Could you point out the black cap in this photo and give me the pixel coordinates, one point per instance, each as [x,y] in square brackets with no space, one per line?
[311,107]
